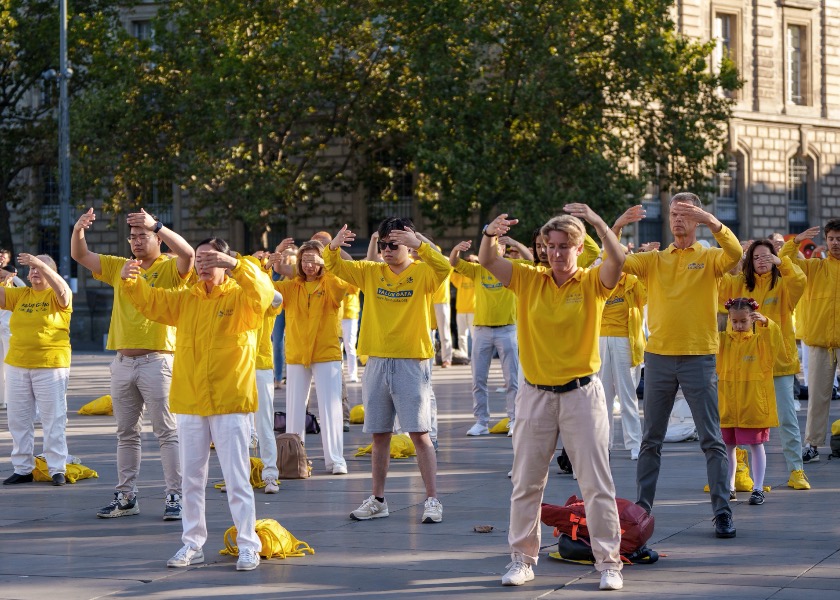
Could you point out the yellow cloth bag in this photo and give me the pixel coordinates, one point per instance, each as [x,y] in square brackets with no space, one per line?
[357,414]
[743,480]
[502,426]
[73,472]
[401,447]
[835,427]
[101,406]
[256,475]
[276,541]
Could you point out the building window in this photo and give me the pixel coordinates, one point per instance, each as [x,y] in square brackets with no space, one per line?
[390,187]
[725,35]
[142,30]
[797,195]
[726,195]
[797,68]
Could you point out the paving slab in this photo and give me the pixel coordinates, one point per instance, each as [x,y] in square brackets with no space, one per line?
[52,544]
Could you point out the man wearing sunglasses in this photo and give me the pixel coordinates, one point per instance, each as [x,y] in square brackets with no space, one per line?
[141,372]
[395,335]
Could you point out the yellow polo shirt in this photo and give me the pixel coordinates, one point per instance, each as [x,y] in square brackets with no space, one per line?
[40,329]
[682,287]
[494,304]
[558,327]
[129,329]
[395,321]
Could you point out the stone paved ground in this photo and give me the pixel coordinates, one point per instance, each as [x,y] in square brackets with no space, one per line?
[52,545]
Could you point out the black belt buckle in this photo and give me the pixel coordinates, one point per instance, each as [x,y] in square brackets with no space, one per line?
[566,387]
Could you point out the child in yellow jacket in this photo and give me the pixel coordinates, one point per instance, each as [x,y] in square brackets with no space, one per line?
[746,394]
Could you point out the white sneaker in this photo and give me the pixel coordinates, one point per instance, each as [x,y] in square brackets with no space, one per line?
[248,560]
[370,509]
[339,469]
[510,473]
[518,573]
[185,557]
[272,486]
[432,511]
[478,429]
[510,429]
[611,580]
[634,454]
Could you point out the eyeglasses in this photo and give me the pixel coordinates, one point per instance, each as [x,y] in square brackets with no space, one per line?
[138,238]
[391,245]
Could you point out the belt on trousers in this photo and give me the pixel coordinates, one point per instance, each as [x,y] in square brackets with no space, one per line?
[566,387]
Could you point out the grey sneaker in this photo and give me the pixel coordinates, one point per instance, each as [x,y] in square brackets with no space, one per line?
[432,511]
[121,506]
[172,508]
[370,509]
[185,557]
[248,560]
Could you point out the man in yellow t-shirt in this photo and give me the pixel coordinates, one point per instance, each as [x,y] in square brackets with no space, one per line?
[464,307]
[682,285]
[821,333]
[558,321]
[395,335]
[8,279]
[141,372]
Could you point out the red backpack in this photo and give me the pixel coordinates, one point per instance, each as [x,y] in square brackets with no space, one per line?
[636,524]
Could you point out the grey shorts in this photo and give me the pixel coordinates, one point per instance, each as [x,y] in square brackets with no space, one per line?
[397,387]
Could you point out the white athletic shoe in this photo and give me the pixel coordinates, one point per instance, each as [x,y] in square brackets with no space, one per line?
[432,511]
[185,557]
[611,580]
[478,429]
[248,560]
[370,509]
[518,573]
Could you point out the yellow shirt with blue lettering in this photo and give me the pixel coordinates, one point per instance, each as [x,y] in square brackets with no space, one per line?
[494,304]
[395,321]
[40,329]
[465,299]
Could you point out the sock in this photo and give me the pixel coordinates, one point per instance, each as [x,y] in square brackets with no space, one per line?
[733,464]
[759,465]
[380,500]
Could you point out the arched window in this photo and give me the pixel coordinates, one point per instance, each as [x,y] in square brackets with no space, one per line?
[797,195]
[727,184]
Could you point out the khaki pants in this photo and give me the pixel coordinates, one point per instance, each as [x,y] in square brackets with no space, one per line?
[580,416]
[822,363]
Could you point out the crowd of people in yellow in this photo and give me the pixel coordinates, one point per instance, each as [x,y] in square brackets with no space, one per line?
[571,320]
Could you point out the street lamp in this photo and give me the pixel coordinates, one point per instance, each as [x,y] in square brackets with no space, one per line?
[64,74]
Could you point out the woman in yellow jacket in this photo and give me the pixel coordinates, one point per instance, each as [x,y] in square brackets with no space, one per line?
[776,284]
[311,300]
[38,367]
[746,393]
[214,388]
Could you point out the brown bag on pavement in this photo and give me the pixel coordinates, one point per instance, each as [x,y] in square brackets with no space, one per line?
[291,457]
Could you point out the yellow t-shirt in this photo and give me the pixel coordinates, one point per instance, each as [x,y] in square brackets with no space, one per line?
[616,316]
[442,295]
[395,321]
[494,304]
[351,307]
[682,287]
[558,327]
[465,299]
[312,319]
[40,329]
[129,329]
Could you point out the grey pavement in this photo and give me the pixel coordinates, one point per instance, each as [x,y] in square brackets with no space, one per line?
[52,545]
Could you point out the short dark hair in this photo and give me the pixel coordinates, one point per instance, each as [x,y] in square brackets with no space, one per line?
[218,244]
[831,225]
[391,223]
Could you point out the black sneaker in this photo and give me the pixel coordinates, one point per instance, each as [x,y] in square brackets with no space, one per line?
[757,497]
[733,495]
[16,479]
[724,526]
[172,508]
[120,507]
[58,479]
[810,455]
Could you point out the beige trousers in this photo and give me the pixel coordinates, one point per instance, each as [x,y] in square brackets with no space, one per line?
[822,363]
[580,417]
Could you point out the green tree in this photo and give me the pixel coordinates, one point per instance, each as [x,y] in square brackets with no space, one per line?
[29,31]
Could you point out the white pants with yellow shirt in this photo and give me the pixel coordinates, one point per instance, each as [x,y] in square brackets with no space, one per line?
[327,376]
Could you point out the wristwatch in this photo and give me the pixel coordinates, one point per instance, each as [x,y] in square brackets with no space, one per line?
[484,231]
[158,226]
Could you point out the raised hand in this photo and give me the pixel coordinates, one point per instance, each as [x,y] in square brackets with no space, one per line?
[131,269]
[405,237]
[342,238]
[141,219]
[808,234]
[462,246]
[501,225]
[631,215]
[284,245]
[210,259]
[757,317]
[85,221]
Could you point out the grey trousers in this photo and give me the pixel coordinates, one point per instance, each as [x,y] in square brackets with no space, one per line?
[697,376]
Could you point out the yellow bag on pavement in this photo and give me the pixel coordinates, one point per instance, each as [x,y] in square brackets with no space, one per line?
[357,414]
[276,541]
[73,472]
[401,447]
[501,427]
[101,406]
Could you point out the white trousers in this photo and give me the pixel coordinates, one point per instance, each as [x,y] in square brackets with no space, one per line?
[5,337]
[44,390]
[264,422]
[327,377]
[231,434]
[349,333]
[465,325]
[618,377]
[444,331]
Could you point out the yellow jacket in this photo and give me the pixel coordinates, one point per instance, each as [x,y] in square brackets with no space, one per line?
[822,295]
[214,370]
[633,293]
[777,304]
[746,394]
[312,320]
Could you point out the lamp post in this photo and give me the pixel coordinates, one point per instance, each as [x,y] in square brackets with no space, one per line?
[64,74]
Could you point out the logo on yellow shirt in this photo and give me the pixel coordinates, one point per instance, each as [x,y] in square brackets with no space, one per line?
[492,286]
[696,266]
[750,358]
[574,298]
[227,312]
[616,300]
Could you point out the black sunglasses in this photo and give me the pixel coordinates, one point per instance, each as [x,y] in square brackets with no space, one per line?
[391,245]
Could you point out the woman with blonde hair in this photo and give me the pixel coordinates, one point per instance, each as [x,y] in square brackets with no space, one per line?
[311,300]
[38,367]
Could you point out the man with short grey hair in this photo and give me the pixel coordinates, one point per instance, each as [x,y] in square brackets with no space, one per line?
[682,281]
